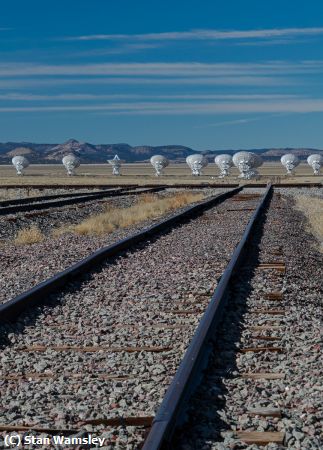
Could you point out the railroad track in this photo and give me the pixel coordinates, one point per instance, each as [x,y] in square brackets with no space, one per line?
[98,356]
[35,199]
[135,346]
[147,185]
[237,386]
[56,201]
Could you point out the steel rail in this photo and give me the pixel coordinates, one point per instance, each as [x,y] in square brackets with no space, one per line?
[10,310]
[173,407]
[72,187]
[71,201]
[26,200]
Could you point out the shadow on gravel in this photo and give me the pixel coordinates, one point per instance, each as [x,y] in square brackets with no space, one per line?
[205,418]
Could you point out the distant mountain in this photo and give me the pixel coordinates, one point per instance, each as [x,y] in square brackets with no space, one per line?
[85,151]
[89,153]
[99,153]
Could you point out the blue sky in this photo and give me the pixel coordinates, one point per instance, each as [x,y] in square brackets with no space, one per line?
[206,74]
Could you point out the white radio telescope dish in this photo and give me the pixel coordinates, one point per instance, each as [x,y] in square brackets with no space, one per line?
[20,163]
[159,163]
[246,162]
[290,162]
[224,163]
[315,161]
[71,162]
[196,163]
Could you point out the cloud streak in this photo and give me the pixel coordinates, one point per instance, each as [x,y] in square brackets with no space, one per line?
[298,105]
[90,97]
[240,121]
[164,69]
[193,35]
[262,81]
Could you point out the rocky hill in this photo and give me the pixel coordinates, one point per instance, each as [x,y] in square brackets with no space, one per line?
[99,153]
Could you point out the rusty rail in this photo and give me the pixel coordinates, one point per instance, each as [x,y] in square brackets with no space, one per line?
[172,411]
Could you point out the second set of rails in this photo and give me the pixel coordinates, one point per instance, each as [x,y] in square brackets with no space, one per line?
[59,200]
[99,350]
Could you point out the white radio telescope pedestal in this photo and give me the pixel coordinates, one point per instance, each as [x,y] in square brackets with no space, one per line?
[116,165]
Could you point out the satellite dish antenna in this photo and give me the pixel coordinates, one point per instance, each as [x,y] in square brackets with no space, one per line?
[224,163]
[20,163]
[246,162]
[71,162]
[116,163]
[315,161]
[196,163]
[159,163]
[290,162]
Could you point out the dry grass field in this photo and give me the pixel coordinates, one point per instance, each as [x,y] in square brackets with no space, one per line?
[29,236]
[313,210]
[148,207]
[101,174]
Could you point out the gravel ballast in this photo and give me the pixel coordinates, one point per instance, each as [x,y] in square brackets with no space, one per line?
[151,297]
[24,266]
[224,402]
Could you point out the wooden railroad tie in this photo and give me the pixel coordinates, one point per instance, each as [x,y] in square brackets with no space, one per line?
[262,349]
[260,437]
[38,429]
[59,348]
[127,326]
[266,338]
[277,265]
[241,209]
[156,325]
[274,312]
[244,197]
[144,421]
[277,253]
[54,376]
[263,376]
[274,296]
[183,312]
[264,412]
[265,327]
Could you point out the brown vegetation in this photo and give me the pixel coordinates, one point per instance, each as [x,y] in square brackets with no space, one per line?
[28,236]
[148,207]
[312,207]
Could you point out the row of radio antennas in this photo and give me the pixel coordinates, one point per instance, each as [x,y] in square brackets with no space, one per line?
[246,162]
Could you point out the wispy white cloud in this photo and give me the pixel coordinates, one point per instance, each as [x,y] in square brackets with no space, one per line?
[291,106]
[122,48]
[229,122]
[164,69]
[19,96]
[240,121]
[261,81]
[301,105]
[204,35]
[272,42]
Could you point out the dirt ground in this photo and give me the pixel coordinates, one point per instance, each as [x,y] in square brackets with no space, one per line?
[99,174]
